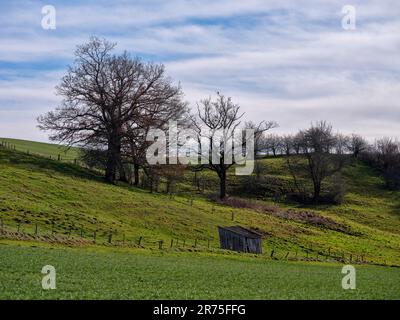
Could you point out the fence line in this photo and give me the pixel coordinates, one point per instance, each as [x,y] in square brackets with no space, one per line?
[58,157]
[80,235]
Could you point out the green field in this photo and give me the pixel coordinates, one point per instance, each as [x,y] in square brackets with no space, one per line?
[50,204]
[42,149]
[125,274]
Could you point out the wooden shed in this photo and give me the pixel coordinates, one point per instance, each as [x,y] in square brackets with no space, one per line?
[240,239]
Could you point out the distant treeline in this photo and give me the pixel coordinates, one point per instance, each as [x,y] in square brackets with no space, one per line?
[317,154]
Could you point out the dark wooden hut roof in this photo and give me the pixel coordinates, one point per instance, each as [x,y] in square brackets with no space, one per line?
[243,232]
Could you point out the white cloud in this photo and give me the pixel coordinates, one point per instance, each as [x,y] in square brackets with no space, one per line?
[287,61]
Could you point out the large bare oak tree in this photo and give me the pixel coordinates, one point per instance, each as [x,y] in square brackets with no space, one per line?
[103,95]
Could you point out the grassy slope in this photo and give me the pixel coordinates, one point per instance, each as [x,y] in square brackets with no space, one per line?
[37,190]
[99,273]
[43,149]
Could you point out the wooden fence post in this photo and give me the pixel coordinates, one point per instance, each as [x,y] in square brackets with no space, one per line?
[172,243]
[160,243]
[94,236]
[110,237]
[140,240]
[58,157]
[2,225]
[36,229]
[195,243]
[233,216]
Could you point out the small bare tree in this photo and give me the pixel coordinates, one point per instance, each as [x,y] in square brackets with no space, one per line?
[287,144]
[356,145]
[297,142]
[272,142]
[342,143]
[214,117]
[318,144]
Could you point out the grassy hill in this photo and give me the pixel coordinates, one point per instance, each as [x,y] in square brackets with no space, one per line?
[63,204]
[69,199]
[42,149]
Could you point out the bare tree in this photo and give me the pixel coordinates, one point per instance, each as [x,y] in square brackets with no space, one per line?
[317,145]
[103,92]
[287,144]
[259,133]
[272,142]
[387,149]
[216,116]
[297,142]
[155,116]
[342,143]
[356,145]
[388,160]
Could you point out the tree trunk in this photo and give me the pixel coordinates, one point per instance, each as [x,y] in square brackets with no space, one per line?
[136,174]
[113,158]
[151,184]
[222,184]
[317,192]
[122,173]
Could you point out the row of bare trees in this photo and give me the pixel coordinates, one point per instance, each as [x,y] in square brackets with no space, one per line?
[111,101]
[273,144]
[317,155]
[384,155]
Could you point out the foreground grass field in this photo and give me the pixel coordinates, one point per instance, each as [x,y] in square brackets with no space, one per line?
[104,273]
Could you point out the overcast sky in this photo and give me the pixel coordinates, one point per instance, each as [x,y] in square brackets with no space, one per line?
[288,61]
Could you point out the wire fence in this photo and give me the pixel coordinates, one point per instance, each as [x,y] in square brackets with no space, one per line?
[82,236]
[26,231]
[57,156]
